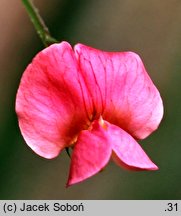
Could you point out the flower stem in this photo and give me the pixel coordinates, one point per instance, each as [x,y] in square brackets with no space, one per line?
[38,23]
[68,152]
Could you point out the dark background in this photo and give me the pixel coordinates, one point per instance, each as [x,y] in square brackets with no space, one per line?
[150,28]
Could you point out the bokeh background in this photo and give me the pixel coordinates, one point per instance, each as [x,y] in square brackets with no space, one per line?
[151,28]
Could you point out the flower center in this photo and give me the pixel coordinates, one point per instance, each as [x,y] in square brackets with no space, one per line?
[90,127]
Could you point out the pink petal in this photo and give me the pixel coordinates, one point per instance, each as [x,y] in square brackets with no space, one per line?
[49,104]
[127,152]
[121,89]
[94,147]
[91,153]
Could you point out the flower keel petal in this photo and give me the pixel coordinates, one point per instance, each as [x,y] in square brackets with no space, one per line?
[91,153]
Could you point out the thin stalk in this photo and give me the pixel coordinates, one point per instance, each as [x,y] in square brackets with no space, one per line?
[38,23]
[68,152]
[41,29]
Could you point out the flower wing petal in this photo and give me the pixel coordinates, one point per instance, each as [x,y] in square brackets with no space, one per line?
[49,103]
[127,152]
[94,148]
[90,154]
[123,91]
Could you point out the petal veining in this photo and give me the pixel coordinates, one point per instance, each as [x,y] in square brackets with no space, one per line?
[125,93]
[49,103]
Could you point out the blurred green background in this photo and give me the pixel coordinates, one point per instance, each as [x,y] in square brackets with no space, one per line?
[150,28]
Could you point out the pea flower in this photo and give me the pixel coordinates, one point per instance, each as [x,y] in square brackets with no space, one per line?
[99,103]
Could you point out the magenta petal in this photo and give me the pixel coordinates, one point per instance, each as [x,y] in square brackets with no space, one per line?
[127,152]
[90,155]
[95,146]
[123,91]
[49,103]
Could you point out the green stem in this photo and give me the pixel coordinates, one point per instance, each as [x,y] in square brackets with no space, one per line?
[68,152]
[38,23]
[41,29]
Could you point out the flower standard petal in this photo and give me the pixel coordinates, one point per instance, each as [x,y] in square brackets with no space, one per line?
[49,103]
[126,95]
[91,153]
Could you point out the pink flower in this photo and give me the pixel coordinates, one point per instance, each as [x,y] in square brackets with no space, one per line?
[99,103]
